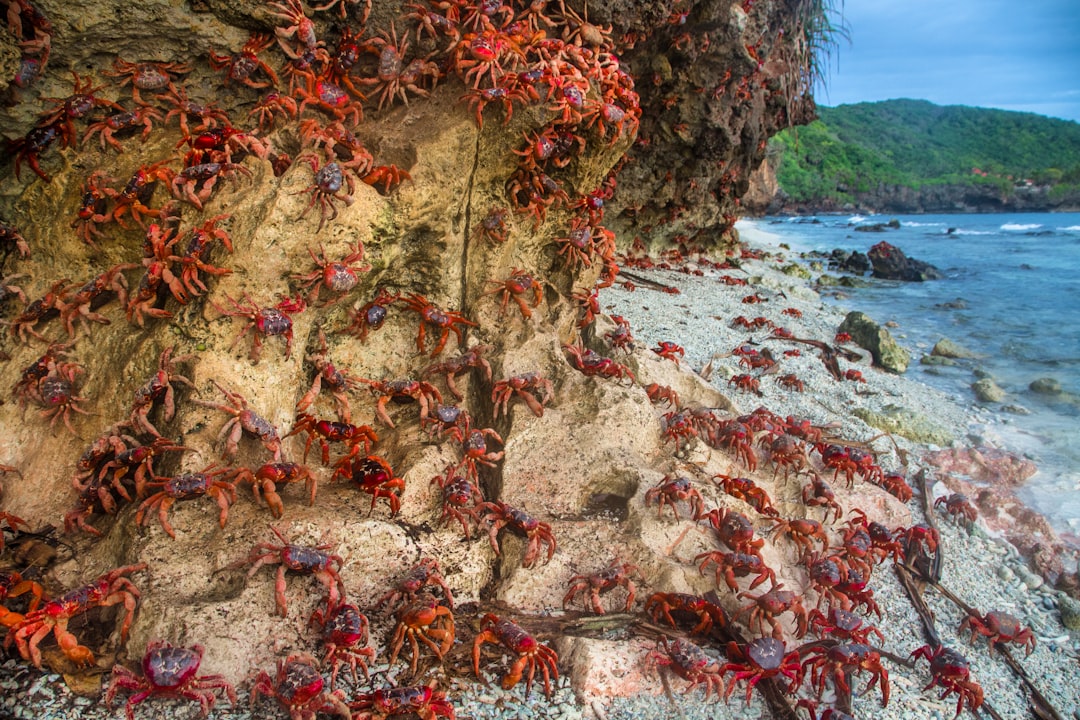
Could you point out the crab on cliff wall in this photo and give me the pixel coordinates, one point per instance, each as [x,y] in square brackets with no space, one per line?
[425,233]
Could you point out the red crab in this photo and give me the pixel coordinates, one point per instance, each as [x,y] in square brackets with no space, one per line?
[331,98]
[671,490]
[471,358]
[748,491]
[493,226]
[59,399]
[269,476]
[459,498]
[524,386]
[843,624]
[168,671]
[150,76]
[36,141]
[757,660]
[767,606]
[338,277]
[267,322]
[243,66]
[138,191]
[746,383]
[420,577]
[590,363]
[662,394]
[77,105]
[159,388]
[97,291]
[336,381]
[518,287]
[345,633]
[854,375]
[243,420]
[390,176]
[326,188]
[11,239]
[819,494]
[419,700]
[372,315]
[189,486]
[705,613]
[12,521]
[328,431]
[301,28]
[394,77]
[840,661]
[734,530]
[299,687]
[306,559]
[443,320]
[425,620]
[112,588]
[530,653]
[536,533]
[959,507]
[474,447]
[400,391]
[670,351]
[690,662]
[12,585]
[951,671]
[731,565]
[208,115]
[204,176]
[123,122]
[802,532]
[373,475]
[616,574]
[999,627]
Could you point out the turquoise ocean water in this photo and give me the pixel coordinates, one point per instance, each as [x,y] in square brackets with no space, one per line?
[1017,277]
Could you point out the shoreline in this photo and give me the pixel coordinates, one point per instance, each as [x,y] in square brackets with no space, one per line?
[986,572]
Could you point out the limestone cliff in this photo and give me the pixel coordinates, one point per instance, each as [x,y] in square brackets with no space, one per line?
[680,97]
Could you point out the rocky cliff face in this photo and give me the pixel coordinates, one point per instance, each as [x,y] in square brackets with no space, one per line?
[680,98]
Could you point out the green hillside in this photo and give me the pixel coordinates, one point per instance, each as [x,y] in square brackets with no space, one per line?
[856,153]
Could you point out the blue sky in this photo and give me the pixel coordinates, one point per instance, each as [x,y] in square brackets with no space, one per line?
[1004,54]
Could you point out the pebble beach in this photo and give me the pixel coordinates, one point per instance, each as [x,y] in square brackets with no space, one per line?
[980,568]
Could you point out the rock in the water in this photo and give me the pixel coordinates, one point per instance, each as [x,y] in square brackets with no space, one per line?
[890,263]
[906,423]
[987,390]
[856,263]
[1046,386]
[869,335]
[1070,612]
[949,349]
[936,360]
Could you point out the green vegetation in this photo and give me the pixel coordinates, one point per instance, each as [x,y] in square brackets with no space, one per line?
[855,149]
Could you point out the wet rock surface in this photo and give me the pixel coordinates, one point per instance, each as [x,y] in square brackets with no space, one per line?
[890,263]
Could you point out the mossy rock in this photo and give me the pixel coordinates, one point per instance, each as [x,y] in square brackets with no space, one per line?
[906,423]
[868,335]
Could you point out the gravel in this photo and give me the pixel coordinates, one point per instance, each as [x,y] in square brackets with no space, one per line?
[984,571]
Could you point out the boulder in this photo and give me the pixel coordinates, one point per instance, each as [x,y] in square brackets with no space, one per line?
[1045,386]
[984,464]
[936,360]
[868,335]
[856,263]
[906,423]
[890,263]
[987,390]
[948,349]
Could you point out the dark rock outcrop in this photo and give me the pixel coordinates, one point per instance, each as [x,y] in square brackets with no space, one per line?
[890,263]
